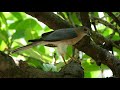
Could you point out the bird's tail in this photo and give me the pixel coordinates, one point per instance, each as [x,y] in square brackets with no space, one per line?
[26,47]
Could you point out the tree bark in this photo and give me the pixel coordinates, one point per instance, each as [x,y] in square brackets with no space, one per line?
[8,69]
[50,19]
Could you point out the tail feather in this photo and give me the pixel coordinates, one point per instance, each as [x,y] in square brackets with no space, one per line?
[26,47]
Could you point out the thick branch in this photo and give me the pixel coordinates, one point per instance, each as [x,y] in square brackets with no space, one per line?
[99,39]
[100,54]
[8,69]
[85,19]
[50,19]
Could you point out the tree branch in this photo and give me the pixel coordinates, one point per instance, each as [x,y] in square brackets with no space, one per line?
[99,39]
[50,19]
[8,69]
[100,54]
[105,23]
[114,17]
[85,19]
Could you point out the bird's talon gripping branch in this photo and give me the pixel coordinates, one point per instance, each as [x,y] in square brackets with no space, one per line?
[60,38]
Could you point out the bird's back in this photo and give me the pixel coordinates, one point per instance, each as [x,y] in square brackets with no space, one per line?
[60,34]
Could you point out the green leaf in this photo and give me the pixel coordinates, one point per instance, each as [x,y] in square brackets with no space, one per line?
[47,29]
[41,49]
[107,32]
[49,67]
[35,62]
[92,70]
[95,14]
[14,25]
[18,15]
[28,24]
[116,52]
[63,15]
[69,52]
[73,18]
[4,20]
[18,34]
[24,28]
[4,36]
[9,16]
[3,45]
[59,65]
[31,52]
[85,56]
[116,37]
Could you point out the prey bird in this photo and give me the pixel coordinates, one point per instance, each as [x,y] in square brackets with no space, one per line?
[60,38]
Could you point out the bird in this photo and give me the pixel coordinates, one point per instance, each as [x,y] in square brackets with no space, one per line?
[60,38]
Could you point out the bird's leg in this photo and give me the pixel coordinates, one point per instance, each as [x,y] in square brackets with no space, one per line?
[72,58]
[63,59]
[75,55]
[62,51]
[55,58]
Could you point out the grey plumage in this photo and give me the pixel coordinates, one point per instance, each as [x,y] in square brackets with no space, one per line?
[59,38]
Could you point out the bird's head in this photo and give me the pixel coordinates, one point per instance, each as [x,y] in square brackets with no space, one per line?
[83,30]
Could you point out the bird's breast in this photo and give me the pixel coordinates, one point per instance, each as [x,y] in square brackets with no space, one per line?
[73,40]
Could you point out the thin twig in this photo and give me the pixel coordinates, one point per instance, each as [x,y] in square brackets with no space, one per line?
[114,17]
[94,26]
[105,23]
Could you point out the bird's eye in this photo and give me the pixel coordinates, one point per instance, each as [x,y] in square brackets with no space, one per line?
[85,29]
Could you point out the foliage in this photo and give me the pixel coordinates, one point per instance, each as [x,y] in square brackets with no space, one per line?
[16,28]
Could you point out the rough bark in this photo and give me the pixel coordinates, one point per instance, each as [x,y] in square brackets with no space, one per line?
[8,69]
[50,19]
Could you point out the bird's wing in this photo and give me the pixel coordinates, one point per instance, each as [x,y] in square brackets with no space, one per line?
[60,34]
[40,39]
